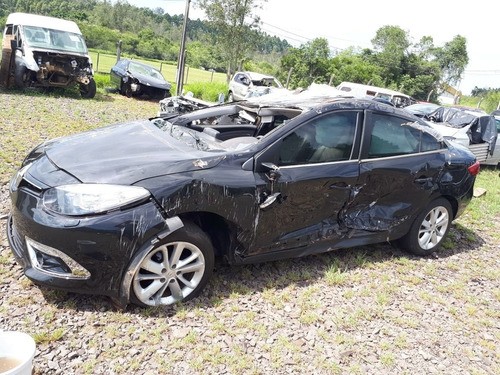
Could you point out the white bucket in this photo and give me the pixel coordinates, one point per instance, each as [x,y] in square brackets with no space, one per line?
[17,350]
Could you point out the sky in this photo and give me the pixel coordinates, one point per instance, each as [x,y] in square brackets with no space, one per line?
[354,24]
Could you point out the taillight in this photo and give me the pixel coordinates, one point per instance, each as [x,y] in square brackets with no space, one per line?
[474,168]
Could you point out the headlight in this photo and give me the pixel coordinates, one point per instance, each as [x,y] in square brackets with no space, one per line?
[85,199]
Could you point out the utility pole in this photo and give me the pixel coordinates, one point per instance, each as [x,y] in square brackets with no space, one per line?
[182,53]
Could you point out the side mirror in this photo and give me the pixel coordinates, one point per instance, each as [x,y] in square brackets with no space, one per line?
[272,171]
[13,44]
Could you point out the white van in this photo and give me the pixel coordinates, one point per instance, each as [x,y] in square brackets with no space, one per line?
[359,90]
[47,52]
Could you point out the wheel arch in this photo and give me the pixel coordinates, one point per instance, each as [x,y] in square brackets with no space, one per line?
[454,204]
[222,232]
[123,298]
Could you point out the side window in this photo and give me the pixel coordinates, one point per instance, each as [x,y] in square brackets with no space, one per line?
[429,143]
[324,139]
[390,137]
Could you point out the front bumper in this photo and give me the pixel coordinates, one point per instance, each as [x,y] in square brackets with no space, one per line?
[85,255]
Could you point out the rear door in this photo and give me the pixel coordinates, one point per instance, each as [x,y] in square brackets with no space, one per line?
[399,170]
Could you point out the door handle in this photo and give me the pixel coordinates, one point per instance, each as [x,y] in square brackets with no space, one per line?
[270,200]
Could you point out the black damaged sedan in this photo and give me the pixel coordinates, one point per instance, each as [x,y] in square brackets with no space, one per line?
[138,211]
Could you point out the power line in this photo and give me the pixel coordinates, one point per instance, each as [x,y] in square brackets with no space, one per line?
[302,40]
[307,38]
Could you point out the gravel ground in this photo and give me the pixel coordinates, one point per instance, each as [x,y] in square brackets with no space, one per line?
[368,310]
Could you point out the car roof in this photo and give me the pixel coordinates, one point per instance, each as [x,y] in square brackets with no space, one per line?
[256,76]
[43,21]
[317,95]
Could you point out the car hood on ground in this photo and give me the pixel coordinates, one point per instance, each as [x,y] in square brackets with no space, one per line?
[127,153]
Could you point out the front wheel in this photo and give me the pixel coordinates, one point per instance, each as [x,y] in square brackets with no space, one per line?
[429,228]
[21,77]
[175,270]
[88,91]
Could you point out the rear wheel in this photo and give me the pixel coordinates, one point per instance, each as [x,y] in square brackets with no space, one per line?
[175,270]
[429,228]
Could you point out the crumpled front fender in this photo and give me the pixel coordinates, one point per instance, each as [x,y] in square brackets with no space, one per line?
[27,60]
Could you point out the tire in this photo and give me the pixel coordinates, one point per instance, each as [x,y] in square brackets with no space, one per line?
[21,77]
[429,228]
[127,90]
[157,281]
[230,97]
[88,91]
[123,88]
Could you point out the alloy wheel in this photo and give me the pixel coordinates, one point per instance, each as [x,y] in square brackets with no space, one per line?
[433,228]
[169,273]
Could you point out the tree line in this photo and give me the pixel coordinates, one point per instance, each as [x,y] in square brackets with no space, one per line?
[144,32]
[230,39]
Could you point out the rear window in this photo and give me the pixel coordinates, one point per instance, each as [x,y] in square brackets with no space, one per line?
[391,136]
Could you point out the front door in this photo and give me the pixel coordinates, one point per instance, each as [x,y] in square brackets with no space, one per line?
[300,202]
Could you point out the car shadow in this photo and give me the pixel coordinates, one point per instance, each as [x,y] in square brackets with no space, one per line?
[142,98]
[229,281]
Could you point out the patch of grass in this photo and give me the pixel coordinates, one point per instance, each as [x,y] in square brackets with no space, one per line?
[47,336]
[387,359]
[334,275]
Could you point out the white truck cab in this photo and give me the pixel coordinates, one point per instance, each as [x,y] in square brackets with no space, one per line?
[47,52]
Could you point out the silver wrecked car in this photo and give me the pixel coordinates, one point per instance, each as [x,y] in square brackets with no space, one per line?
[245,85]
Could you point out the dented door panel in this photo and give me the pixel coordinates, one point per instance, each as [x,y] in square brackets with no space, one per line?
[392,190]
[307,211]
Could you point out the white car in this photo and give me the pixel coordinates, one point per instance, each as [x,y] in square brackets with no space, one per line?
[473,128]
[245,85]
[495,158]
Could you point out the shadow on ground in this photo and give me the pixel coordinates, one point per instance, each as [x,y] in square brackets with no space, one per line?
[254,278]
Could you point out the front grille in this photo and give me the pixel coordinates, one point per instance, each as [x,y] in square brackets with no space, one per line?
[30,187]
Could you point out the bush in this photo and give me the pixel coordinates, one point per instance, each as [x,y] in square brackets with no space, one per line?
[101,80]
[208,91]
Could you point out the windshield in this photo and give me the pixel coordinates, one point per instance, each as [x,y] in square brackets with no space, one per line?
[144,70]
[267,82]
[41,37]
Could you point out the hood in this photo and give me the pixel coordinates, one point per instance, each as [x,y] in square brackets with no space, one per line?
[126,153]
[446,131]
[151,81]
